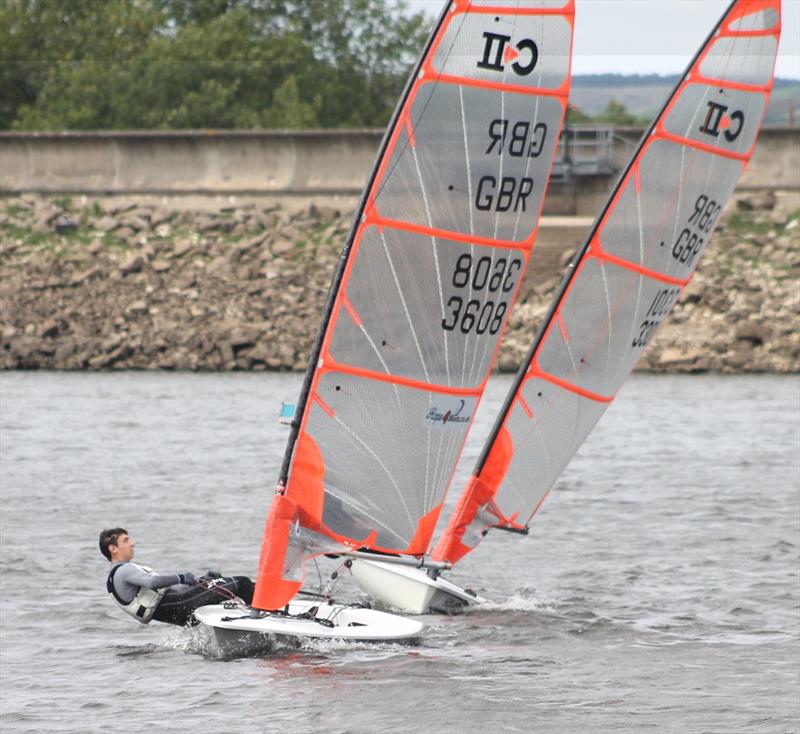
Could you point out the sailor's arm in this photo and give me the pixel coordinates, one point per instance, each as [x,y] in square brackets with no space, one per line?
[129,574]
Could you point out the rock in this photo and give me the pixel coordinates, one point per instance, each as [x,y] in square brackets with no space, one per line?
[126,233]
[106,224]
[765,200]
[137,224]
[291,233]
[49,329]
[220,301]
[87,275]
[243,338]
[674,357]
[226,353]
[753,333]
[65,350]
[132,264]
[137,308]
[65,224]
[181,248]
[323,214]
[160,216]
[281,248]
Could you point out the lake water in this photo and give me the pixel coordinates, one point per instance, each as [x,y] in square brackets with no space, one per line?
[658,590]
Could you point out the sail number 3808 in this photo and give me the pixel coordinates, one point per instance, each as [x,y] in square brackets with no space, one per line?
[477,276]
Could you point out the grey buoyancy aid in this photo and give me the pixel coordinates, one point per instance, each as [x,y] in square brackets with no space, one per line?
[144,604]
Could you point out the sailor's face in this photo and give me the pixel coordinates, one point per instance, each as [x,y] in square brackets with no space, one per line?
[124,548]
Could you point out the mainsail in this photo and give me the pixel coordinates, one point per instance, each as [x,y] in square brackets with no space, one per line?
[423,289]
[641,252]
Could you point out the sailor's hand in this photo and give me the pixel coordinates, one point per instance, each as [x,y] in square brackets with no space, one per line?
[188,578]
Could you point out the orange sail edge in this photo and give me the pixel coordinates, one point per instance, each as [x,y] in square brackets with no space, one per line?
[292,537]
[272,590]
[284,554]
[476,498]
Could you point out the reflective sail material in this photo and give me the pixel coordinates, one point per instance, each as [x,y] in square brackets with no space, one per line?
[642,251]
[423,290]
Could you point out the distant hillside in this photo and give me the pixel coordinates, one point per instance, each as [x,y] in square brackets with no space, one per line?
[644,94]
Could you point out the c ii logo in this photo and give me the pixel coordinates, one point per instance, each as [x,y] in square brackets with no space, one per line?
[496,54]
[717,121]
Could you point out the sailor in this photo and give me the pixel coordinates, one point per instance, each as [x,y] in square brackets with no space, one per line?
[170,597]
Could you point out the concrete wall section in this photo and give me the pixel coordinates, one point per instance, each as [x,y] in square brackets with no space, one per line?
[286,163]
[312,162]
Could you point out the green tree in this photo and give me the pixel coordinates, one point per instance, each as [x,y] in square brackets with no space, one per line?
[576,116]
[203,63]
[42,39]
[617,114]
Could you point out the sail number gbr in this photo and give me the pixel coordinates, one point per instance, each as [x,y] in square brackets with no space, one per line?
[520,139]
[475,277]
[692,237]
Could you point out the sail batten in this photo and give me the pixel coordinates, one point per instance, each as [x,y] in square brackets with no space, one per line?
[642,250]
[424,289]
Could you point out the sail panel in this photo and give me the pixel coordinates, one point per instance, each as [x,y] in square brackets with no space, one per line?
[476,164]
[604,322]
[547,424]
[369,435]
[667,207]
[396,272]
[721,117]
[764,19]
[532,5]
[741,60]
[518,49]
[641,252]
[423,289]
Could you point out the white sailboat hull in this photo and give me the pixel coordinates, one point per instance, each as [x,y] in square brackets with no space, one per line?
[411,589]
[234,628]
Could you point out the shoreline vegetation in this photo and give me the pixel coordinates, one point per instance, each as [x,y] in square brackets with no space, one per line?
[127,283]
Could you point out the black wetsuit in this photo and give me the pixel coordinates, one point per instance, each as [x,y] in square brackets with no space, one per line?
[180,600]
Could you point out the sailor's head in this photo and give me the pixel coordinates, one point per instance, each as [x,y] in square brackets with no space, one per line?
[116,544]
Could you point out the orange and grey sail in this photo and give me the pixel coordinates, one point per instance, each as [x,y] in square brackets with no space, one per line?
[423,289]
[640,254]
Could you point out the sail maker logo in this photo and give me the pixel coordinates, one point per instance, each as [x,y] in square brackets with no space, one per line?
[449,416]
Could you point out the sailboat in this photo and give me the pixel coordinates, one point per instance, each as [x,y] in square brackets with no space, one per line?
[640,253]
[420,297]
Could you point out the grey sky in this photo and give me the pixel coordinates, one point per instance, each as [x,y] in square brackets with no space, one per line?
[653,36]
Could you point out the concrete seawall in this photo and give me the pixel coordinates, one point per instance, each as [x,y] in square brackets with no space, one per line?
[289,163]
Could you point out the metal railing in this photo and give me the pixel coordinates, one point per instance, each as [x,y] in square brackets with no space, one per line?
[584,150]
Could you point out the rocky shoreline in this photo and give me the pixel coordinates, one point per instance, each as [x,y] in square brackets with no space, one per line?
[96,284]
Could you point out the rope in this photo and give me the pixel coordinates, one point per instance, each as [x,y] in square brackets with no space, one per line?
[215,586]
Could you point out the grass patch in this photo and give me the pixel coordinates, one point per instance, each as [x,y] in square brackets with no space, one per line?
[112,242]
[63,202]
[743,223]
[95,210]
[314,238]
[15,210]
[25,236]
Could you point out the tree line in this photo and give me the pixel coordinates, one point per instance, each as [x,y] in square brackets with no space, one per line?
[178,64]
[225,64]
